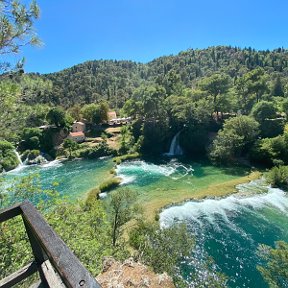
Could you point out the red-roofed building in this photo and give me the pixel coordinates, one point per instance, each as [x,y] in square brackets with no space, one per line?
[78,127]
[77,136]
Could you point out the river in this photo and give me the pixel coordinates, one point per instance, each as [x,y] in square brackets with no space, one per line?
[228,229]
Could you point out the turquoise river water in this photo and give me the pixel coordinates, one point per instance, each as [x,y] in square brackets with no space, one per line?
[228,229]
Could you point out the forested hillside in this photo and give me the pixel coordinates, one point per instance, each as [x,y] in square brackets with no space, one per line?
[115,81]
[195,92]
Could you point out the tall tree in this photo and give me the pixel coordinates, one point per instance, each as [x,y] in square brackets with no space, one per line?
[122,210]
[217,86]
[237,135]
[16,25]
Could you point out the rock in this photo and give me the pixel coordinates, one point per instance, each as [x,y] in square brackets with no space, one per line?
[38,160]
[131,274]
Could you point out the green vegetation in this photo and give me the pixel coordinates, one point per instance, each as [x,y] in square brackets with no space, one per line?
[228,82]
[271,151]
[236,137]
[275,272]
[95,113]
[17,25]
[162,249]
[278,176]
[122,209]
[68,219]
[126,157]
[109,184]
[105,186]
[70,145]
[102,149]
[8,158]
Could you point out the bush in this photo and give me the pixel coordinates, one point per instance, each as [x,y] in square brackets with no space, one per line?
[8,158]
[30,154]
[33,154]
[235,139]
[5,145]
[93,195]
[31,138]
[270,151]
[162,249]
[278,176]
[99,151]
[119,159]
[109,184]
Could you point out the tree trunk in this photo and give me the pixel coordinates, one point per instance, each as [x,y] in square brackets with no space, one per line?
[114,237]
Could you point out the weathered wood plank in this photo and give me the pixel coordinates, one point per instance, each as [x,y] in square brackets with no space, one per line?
[37,285]
[19,275]
[70,269]
[52,278]
[10,212]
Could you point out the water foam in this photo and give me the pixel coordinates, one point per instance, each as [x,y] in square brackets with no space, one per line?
[129,171]
[52,164]
[211,209]
[126,179]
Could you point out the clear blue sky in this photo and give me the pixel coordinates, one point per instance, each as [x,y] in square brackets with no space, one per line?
[75,31]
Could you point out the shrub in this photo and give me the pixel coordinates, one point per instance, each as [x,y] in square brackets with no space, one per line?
[33,154]
[30,154]
[8,158]
[109,184]
[270,151]
[278,176]
[31,138]
[93,195]
[126,157]
[100,150]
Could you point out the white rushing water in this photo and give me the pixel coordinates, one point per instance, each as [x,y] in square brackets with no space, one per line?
[18,157]
[210,209]
[52,164]
[132,170]
[175,149]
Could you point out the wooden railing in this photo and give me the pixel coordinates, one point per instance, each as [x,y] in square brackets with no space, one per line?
[53,260]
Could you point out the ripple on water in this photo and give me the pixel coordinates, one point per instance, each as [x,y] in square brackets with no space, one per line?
[230,230]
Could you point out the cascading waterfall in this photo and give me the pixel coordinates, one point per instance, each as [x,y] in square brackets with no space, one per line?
[175,149]
[19,158]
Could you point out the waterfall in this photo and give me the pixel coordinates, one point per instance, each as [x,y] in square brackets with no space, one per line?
[175,149]
[19,158]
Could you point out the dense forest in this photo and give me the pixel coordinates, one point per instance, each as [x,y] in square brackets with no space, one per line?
[193,92]
[116,81]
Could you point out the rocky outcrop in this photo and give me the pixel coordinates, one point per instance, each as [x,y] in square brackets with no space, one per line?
[131,274]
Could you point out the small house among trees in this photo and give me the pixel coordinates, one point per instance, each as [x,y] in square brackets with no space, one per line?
[78,127]
[77,136]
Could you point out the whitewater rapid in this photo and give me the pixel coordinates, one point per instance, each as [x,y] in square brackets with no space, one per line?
[131,171]
[209,210]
